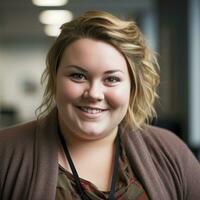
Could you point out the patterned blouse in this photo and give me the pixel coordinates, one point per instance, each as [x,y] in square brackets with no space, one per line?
[127,187]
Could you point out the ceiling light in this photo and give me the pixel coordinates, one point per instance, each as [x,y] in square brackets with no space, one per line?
[52,30]
[55,17]
[49,2]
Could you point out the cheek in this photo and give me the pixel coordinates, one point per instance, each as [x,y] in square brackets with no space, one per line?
[68,91]
[118,97]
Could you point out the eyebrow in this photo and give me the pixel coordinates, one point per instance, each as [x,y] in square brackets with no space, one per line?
[85,71]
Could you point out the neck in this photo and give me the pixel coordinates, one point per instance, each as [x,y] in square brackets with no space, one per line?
[74,140]
[86,151]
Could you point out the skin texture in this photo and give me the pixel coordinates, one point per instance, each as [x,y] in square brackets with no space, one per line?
[91,74]
[83,81]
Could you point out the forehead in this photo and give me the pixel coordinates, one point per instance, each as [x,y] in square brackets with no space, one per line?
[93,54]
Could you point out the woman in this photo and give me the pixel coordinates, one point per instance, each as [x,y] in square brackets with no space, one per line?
[91,140]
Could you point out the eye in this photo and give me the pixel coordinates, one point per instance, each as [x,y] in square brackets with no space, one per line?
[111,80]
[78,77]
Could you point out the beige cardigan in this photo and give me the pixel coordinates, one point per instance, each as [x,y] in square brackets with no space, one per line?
[29,162]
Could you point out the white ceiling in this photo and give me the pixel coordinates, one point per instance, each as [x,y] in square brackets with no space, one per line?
[19,18]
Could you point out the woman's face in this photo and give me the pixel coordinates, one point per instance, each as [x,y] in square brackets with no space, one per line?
[92,89]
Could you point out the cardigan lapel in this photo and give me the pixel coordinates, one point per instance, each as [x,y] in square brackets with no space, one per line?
[45,171]
[143,166]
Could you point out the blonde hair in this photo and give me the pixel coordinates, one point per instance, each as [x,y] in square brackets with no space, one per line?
[127,38]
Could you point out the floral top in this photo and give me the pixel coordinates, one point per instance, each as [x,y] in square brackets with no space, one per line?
[127,187]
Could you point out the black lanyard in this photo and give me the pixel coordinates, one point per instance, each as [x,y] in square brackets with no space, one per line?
[81,191]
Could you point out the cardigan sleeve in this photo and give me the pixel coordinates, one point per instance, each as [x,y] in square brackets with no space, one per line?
[29,160]
[175,162]
[16,165]
[190,169]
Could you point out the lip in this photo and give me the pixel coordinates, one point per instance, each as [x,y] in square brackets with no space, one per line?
[94,113]
[91,107]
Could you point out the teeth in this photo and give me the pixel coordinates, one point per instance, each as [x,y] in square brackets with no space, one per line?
[90,110]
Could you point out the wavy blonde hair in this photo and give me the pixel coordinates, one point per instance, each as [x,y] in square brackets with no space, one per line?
[127,38]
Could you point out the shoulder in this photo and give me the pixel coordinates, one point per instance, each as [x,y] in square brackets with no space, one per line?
[163,138]
[16,149]
[176,165]
[17,134]
[173,158]
[163,142]
[153,136]
[31,132]
[164,148]
[167,150]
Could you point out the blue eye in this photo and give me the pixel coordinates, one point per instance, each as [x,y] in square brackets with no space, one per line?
[78,76]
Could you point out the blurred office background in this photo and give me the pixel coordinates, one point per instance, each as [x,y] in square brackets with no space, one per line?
[171,27]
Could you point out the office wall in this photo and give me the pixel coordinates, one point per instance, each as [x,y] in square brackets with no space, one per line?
[21,66]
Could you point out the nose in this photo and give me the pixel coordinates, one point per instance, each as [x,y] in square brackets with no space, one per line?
[94,91]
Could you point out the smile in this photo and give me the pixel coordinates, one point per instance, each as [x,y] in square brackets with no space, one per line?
[91,110]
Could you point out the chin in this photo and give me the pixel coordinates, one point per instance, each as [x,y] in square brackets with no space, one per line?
[92,134]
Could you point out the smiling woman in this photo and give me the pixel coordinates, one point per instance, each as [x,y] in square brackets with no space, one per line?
[92,139]
[126,38]
[88,96]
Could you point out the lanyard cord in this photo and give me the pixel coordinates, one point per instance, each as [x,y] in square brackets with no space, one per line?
[75,174]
